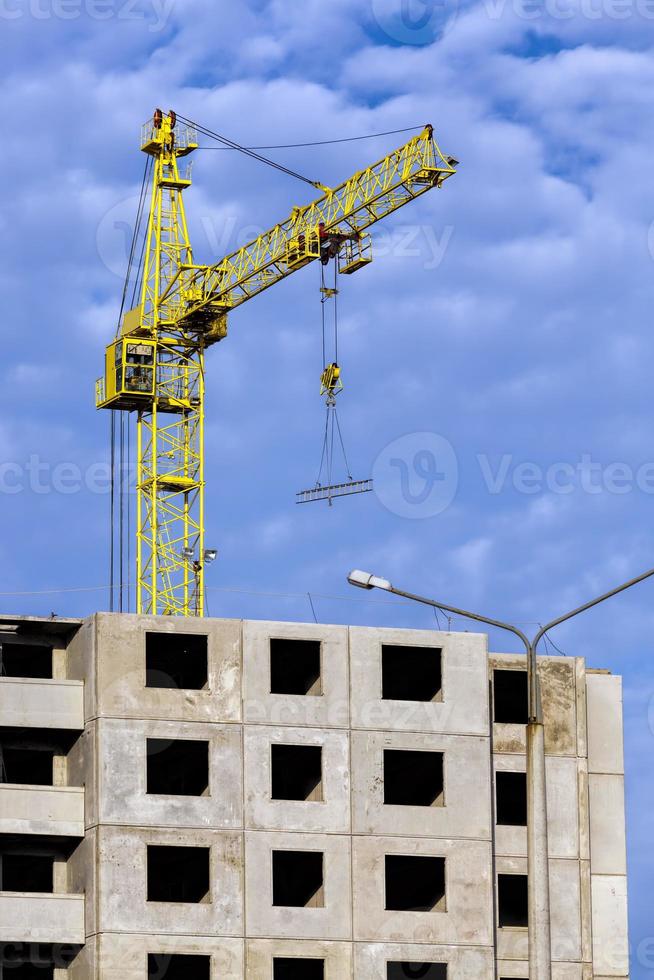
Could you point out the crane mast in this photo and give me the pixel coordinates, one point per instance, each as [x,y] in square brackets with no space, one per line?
[155,365]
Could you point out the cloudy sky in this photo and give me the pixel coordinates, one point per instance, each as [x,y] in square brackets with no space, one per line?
[497,355]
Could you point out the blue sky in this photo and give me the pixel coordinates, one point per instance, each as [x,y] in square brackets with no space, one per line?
[504,332]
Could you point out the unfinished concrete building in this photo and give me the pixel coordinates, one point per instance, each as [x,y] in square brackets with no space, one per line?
[222,799]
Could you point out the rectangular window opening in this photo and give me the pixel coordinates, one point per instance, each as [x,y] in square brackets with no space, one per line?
[178,966]
[415,883]
[296,772]
[510,697]
[178,874]
[176,660]
[298,968]
[295,666]
[25,660]
[512,900]
[26,766]
[412,970]
[411,673]
[27,873]
[177,767]
[413,778]
[298,879]
[511,798]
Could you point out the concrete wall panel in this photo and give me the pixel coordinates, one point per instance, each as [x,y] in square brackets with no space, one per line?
[464,705]
[468,918]
[261,953]
[559,694]
[121,670]
[566,910]
[30,918]
[333,921]
[605,736]
[123,903]
[125,957]
[607,825]
[466,775]
[610,942]
[123,775]
[562,809]
[462,963]
[29,703]
[331,815]
[49,810]
[330,709]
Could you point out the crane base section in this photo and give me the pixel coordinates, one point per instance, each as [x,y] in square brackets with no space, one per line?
[335,490]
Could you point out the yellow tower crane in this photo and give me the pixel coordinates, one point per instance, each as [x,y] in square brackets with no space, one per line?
[155,365]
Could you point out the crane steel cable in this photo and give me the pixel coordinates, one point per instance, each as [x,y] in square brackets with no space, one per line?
[293,146]
[112,496]
[112,464]
[332,423]
[251,153]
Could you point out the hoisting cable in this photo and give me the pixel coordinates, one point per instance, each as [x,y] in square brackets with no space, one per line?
[248,152]
[330,386]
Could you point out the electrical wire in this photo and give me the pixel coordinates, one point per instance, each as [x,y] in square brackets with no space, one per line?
[251,153]
[293,146]
[269,595]
[548,639]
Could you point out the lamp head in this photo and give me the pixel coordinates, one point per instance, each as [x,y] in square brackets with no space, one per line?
[366,580]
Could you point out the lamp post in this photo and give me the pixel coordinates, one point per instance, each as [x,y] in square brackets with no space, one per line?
[540,950]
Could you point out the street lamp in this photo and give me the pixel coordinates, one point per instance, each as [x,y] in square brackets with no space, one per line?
[196,564]
[540,950]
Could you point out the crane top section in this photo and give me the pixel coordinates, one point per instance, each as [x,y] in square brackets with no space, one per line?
[163,135]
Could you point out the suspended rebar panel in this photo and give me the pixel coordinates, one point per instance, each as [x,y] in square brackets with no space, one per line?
[335,490]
